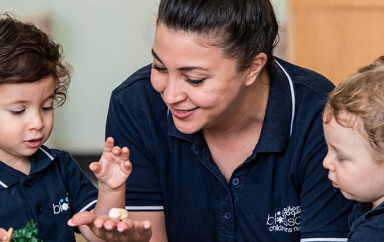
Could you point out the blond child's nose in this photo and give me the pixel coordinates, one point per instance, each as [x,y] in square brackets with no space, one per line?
[327,163]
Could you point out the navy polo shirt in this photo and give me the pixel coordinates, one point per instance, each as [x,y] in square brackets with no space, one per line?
[51,194]
[366,224]
[280,193]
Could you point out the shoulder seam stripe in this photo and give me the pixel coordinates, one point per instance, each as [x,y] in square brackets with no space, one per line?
[323,239]
[147,208]
[87,206]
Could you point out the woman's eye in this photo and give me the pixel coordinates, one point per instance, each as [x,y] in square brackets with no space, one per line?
[158,68]
[195,82]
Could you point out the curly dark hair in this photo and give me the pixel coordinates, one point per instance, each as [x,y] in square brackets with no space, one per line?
[27,54]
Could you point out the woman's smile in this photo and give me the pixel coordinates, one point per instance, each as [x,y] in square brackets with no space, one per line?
[182,113]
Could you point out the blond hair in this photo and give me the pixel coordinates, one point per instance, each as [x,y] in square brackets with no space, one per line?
[362,96]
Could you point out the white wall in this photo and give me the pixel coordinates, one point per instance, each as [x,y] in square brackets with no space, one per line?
[105,41]
[280,7]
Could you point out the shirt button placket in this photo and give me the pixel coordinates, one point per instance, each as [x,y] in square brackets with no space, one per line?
[235,182]
[226,209]
[227,215]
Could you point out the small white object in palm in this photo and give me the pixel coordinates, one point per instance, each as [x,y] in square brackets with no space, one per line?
[118,213]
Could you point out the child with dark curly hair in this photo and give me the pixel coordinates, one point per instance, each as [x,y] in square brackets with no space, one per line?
[37,182]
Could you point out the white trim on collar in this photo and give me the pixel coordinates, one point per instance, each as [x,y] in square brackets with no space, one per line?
[292,95]
[45,152]
[3,185]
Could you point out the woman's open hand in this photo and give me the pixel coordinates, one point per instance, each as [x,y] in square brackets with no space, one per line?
[113,230]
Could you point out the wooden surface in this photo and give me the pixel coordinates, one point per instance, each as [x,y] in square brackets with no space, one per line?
[80,238]
[335,37]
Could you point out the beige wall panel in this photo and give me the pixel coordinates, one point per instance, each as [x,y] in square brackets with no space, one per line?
[335,37]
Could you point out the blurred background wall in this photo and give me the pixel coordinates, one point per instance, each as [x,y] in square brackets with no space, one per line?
[105,41]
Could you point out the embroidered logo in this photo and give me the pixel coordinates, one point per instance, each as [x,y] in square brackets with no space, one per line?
[62,206]
[288,220]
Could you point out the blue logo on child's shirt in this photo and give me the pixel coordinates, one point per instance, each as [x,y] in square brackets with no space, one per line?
[62,206]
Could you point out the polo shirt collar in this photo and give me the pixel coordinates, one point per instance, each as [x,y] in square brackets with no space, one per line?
[362,212]
[280,113]
[279,116]
[39,161]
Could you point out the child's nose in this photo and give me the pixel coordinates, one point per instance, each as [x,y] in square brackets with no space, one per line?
[36,122]
[327,163]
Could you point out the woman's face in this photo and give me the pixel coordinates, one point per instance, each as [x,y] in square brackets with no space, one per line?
[201,87]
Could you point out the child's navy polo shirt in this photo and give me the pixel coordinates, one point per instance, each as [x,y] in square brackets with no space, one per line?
[366,224]
[51,194]
[280,193]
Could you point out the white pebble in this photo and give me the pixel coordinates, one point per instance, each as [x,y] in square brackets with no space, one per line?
[118,213]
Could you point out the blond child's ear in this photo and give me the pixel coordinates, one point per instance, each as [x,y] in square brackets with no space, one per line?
[256,68]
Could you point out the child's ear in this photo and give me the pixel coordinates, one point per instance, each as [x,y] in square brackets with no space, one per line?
[256,68]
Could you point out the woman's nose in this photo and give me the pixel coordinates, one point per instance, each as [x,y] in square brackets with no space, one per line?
[174,92]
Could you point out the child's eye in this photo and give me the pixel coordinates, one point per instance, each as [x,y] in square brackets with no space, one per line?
[47,108]
[340,158]
[17,112]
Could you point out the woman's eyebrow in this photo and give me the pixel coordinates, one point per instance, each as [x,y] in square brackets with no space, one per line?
[183,68]
[192,68]
[156,56]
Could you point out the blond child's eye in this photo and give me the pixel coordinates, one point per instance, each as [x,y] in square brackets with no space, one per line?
[340,158]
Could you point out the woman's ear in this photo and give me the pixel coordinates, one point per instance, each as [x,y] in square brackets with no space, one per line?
[256,68]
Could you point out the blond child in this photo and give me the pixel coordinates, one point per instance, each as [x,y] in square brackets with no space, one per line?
[353,123]
[37,182]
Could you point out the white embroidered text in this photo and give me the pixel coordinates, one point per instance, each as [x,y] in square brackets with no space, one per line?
[288,220]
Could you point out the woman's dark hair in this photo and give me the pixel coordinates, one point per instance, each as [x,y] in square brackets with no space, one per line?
[241,28]
[27,54]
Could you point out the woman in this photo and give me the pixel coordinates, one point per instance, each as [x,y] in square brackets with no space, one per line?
[225,140]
